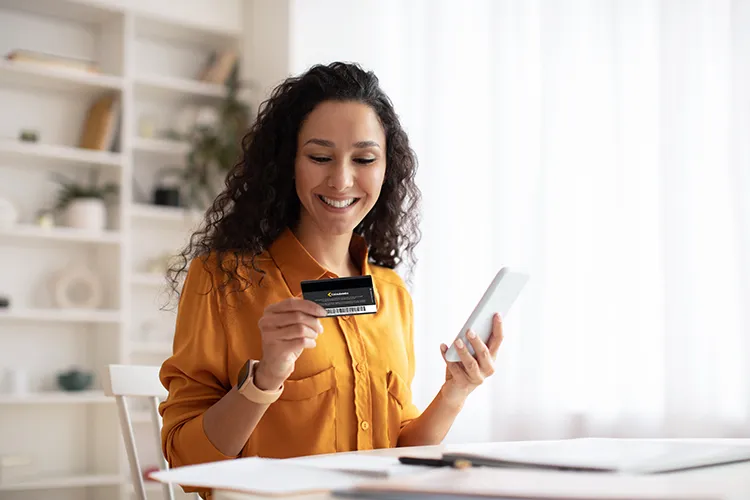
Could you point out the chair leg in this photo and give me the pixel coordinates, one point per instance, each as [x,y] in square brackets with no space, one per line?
[127,433]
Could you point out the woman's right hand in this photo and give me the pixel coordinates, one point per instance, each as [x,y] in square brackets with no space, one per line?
[286,329]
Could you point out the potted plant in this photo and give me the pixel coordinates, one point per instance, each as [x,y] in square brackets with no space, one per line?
[215,146]
[83,206]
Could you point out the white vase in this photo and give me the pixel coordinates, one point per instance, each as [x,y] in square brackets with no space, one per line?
[86,213]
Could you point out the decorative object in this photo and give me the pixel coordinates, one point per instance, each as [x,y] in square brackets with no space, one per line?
[27,135]
[45,218]
[167,192]
[8,213]
[83,206]
[99,130]
[75,380]
[16,381]
[77,287]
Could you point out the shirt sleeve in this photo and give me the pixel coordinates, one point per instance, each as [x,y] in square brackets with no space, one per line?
[196,374]
[410,410]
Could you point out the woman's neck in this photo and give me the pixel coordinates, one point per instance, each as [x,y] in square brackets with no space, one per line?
[330,251]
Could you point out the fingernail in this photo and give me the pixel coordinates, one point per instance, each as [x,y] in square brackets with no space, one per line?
[471,334]
[497,317]
[460,344]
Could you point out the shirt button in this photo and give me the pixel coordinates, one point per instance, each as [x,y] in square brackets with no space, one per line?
[360,368]
[365,425]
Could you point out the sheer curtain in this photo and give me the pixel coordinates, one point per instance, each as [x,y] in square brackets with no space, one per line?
[604,147]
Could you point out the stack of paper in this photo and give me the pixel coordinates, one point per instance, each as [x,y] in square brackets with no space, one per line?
[258,475]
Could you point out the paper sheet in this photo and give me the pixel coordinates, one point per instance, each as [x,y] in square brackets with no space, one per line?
[258,475]
[365,465]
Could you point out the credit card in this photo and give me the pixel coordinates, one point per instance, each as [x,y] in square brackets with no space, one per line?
[342,296]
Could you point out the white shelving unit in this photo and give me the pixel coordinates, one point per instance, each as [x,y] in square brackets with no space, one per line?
[149,54]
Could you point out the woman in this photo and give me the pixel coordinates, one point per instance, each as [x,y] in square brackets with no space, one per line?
[325,189]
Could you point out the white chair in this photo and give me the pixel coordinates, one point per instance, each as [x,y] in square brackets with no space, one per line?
[126,381]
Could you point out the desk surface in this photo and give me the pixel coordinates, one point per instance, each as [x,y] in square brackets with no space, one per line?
[730,482]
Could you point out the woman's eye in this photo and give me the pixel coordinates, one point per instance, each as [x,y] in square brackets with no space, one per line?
[319,159]
[364,161]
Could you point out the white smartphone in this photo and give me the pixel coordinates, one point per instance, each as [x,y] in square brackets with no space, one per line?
[498,298]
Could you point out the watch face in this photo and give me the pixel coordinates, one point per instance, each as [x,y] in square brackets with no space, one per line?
[244,372]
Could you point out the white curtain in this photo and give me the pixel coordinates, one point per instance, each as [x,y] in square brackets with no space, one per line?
[604,147]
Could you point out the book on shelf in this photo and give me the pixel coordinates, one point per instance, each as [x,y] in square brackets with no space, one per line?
[100,129]
[219,67]
[52,60]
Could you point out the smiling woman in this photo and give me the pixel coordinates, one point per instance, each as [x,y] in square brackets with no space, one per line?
[325,189]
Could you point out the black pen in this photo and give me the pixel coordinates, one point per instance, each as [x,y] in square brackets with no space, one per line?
[434,462]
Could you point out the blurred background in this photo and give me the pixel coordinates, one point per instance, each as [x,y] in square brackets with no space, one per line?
[600,145]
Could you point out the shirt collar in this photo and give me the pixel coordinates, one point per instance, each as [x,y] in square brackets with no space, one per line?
[296,264]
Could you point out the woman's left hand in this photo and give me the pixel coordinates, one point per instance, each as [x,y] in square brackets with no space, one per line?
[461,378]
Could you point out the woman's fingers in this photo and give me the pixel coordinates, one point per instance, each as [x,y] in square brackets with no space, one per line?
[297,304]
[470,365]
[493,344]
[481,354]
[293,332]
[289,318]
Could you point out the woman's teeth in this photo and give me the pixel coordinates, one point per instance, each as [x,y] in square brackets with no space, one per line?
[337,203]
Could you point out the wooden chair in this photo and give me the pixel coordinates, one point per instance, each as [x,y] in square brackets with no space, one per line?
[131,381]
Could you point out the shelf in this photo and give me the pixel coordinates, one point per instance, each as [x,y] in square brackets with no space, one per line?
[148,279]
[162,87]
[161,146]
[165,214]
[27,74]
[81,481]
[69,10]
[152,348]
[29,231]
[56,397]
[62,315]
[155,28]
[59,154]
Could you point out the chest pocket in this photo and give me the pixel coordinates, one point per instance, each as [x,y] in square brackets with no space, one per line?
[302,421]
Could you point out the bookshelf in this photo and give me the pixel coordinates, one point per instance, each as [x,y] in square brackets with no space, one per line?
[148,56]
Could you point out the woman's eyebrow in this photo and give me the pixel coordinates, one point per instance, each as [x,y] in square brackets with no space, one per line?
[366,144]
[321,142]
[329,144]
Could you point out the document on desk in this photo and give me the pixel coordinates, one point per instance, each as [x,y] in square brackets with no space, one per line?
[631,456]
[259,476]
[449,483]
[364,465]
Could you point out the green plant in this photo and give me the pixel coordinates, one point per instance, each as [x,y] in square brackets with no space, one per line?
[71,190]
[215,148]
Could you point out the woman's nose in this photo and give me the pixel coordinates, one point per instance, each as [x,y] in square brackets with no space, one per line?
[341,176]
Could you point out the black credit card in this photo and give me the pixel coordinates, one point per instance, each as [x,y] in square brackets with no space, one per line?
[342,296]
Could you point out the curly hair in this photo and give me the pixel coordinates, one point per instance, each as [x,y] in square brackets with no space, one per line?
[259,199]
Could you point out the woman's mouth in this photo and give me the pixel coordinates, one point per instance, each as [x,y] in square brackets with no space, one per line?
[337,204]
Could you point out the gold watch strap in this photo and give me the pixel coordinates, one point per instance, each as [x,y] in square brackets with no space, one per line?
[251,391]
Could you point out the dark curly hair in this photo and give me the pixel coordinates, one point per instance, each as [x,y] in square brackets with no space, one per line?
[259,199]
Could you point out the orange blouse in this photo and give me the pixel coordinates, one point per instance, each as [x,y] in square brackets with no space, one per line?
[350,392]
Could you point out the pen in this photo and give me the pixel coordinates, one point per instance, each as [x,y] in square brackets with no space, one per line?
[434,462]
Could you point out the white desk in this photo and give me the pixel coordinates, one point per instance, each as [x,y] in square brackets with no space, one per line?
[730,482]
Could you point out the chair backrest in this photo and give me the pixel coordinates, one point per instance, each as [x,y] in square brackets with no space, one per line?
[126,381]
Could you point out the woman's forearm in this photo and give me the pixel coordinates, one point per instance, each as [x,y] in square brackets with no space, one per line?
[433,424]
[229,423]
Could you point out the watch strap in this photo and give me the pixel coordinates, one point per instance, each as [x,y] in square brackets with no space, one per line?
[248,388]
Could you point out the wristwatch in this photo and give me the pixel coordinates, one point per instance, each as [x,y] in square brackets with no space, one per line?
[246,385]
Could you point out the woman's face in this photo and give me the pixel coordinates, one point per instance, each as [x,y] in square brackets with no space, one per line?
[340,165]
